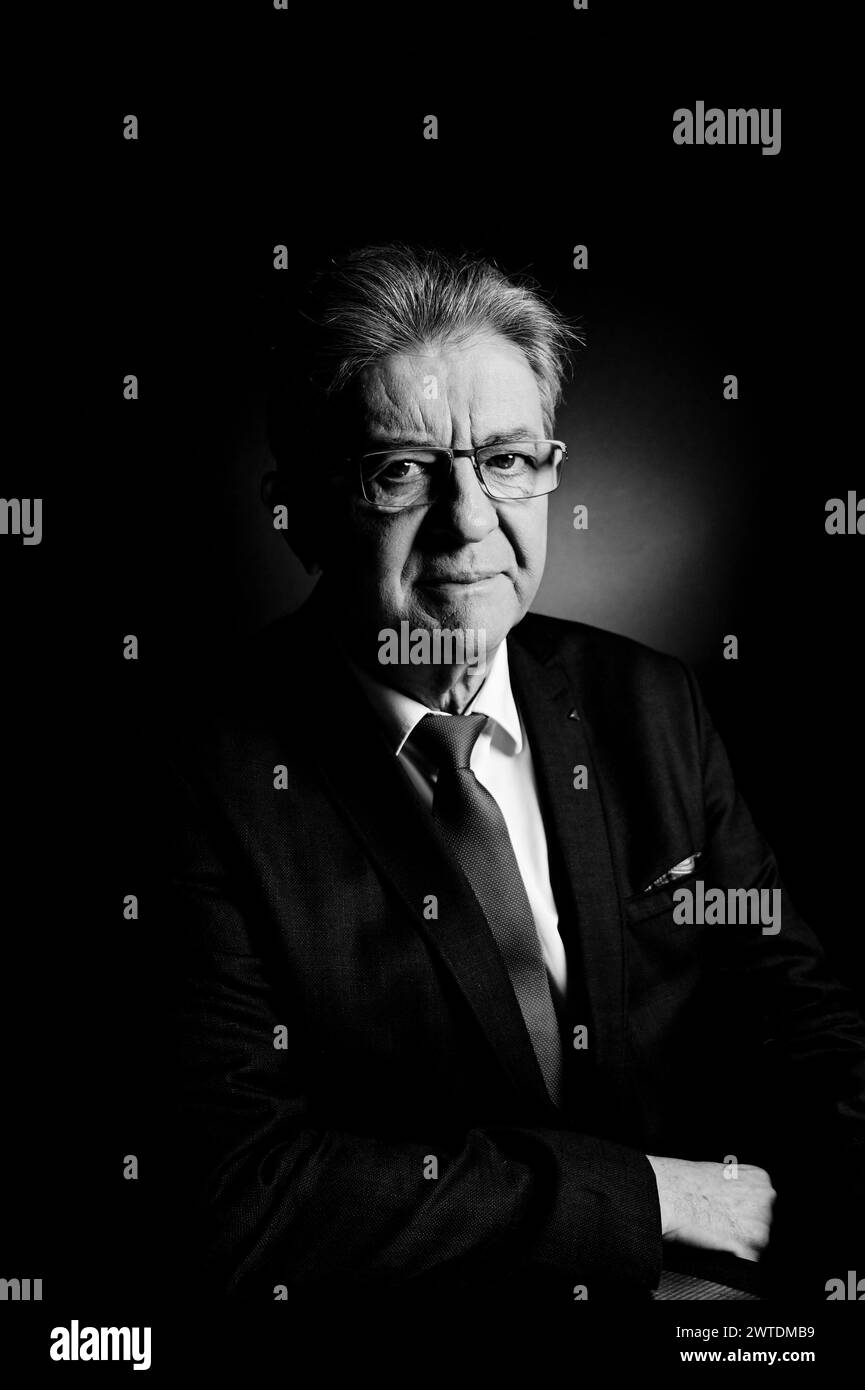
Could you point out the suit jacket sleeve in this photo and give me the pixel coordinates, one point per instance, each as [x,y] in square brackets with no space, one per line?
[288,1201]
[812,1032]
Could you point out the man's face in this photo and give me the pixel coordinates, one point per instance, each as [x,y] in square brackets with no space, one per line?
[465,561]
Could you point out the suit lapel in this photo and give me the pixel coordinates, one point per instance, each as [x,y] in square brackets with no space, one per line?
[373,793]
[558,735]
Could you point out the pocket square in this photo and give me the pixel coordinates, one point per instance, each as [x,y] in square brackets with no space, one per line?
[678,871]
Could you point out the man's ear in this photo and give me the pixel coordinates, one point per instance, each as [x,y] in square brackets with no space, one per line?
[298,538]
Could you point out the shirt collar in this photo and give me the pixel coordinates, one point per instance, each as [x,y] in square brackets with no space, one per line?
[400,713]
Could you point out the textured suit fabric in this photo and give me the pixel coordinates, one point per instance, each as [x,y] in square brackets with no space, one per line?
[336,1048]
[683,1286]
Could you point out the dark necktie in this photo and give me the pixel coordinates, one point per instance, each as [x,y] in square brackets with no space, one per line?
[474,828]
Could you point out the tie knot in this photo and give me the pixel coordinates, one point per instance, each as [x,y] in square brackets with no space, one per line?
[448,740]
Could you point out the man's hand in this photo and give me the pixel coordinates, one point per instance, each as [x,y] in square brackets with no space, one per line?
[703,1208]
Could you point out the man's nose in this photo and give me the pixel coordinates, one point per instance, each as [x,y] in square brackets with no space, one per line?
[464,508]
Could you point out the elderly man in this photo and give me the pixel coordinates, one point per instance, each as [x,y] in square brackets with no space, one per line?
[447,1026]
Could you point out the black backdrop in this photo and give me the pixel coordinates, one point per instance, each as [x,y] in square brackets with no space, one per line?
[706,516]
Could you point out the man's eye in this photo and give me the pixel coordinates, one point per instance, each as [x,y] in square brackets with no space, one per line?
[400,470]
[509,463]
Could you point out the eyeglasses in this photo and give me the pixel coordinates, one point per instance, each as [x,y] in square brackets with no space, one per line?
[513,471]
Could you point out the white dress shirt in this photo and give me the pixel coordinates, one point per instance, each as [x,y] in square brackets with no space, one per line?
[502,762]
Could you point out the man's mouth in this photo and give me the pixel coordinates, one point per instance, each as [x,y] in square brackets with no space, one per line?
[460,577]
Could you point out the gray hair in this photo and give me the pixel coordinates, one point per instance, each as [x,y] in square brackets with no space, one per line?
[386,299]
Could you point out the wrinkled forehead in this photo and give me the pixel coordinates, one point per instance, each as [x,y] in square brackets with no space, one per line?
[481,386]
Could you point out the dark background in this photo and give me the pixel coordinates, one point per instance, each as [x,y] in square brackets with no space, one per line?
[706,517]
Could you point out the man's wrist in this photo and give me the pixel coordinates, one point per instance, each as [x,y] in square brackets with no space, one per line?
[660,1167]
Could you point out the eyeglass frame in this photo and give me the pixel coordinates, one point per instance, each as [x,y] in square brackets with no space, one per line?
[455,454]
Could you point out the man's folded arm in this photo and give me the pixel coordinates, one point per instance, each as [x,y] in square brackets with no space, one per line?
[811,1028]
[295,1202]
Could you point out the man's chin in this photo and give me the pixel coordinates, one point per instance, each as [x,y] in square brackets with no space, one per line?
[489,607]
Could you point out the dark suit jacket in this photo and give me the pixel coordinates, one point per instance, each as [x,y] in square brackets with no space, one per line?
[302,909]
